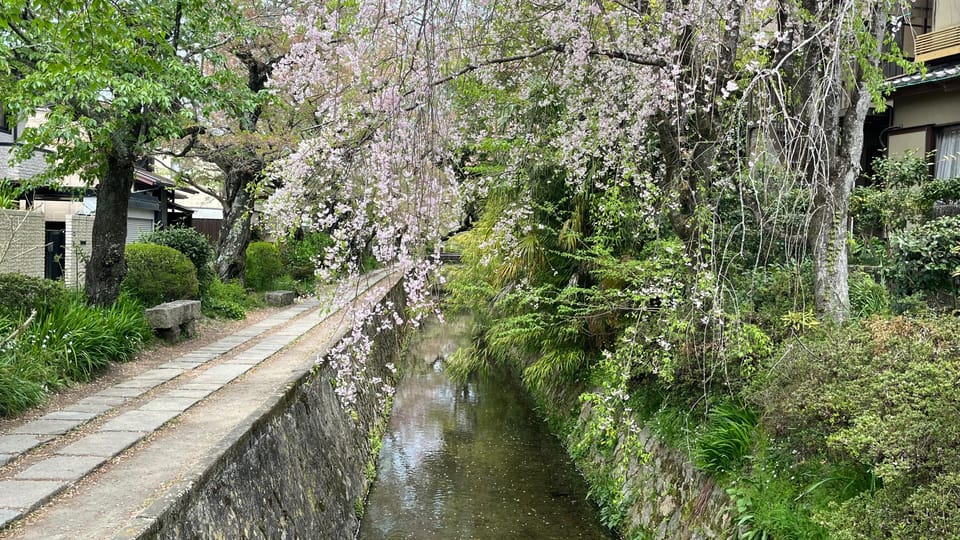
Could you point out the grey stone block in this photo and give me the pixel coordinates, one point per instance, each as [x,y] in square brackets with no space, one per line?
[183,392]
[172,318]
[144,421]
[173,314]
[6,458]
[280,298]
[221,374]
[99,399]
[26,494]
[46,427]
[122,392]
[61,468]
[170,404]
[7,516]
[102,443]
[70,415]
[17,444]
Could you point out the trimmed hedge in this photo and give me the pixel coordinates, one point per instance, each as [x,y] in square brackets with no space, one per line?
[158,274]
[191,243]
[263,265]
[19,294]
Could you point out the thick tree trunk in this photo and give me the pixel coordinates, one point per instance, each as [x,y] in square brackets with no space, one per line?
[235,227]
[106,267]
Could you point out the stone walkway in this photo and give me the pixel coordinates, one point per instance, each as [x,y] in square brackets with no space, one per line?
[133,410]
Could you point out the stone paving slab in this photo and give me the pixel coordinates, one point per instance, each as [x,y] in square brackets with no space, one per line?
[245,360]
[186,393]
[115,391]
[6,458]
[93,407]
[26,494]
[139,384]
[95,399]
[70,414]
[182,364]
[139,421]
[16,444]
[61,468]
[6,516]
[47,427]
[102,443]
[222,374]
[170,403]
[207,386]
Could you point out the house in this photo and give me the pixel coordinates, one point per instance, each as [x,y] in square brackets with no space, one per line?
[925,107]
[68,210]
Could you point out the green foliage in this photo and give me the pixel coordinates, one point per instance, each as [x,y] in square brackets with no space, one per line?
[769,294]
[263,265]
[727,439]
[926,256]
[880,393]
[69,342]
[226,300]
[192,244]
[158,274]
[301,257]
[151,78]
[19,294]
[867,297]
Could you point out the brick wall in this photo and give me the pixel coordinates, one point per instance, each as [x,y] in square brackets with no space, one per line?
[79,240]
[22,240]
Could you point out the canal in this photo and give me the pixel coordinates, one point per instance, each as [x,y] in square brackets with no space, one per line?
[471,461]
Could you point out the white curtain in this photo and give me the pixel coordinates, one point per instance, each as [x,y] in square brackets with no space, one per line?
[948,153]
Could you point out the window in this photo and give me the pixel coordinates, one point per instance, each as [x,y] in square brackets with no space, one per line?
[948,153]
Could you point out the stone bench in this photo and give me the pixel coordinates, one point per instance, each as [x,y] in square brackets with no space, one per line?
[280,298]
[171,319]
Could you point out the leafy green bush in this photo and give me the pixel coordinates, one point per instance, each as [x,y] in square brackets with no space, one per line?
[158,274]
[927,256]
[225,300]
[300,257]
[777,290]
[880,393]
[189,242]
[71,341]
[21,294]
[263,265]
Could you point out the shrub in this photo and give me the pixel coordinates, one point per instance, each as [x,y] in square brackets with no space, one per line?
[189,242]
[880,393]
[867,297]
[158,274]
[20,294]
[225,300]
[263,265]
[927,256]
[300,257]
[71,341]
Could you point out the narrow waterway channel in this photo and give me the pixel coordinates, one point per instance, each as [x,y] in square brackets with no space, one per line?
[471,461]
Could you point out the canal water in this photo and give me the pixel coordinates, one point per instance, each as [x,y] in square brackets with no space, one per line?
[471,461]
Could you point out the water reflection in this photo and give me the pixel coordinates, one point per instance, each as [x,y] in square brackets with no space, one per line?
[470,461]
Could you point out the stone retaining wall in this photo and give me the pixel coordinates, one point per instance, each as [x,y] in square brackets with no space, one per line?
[299,470]
[665,496]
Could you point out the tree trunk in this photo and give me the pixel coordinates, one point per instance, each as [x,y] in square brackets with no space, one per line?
[235,228]
[829,222]
[106,267]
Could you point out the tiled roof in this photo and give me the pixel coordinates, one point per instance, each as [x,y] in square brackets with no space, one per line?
[933,74]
